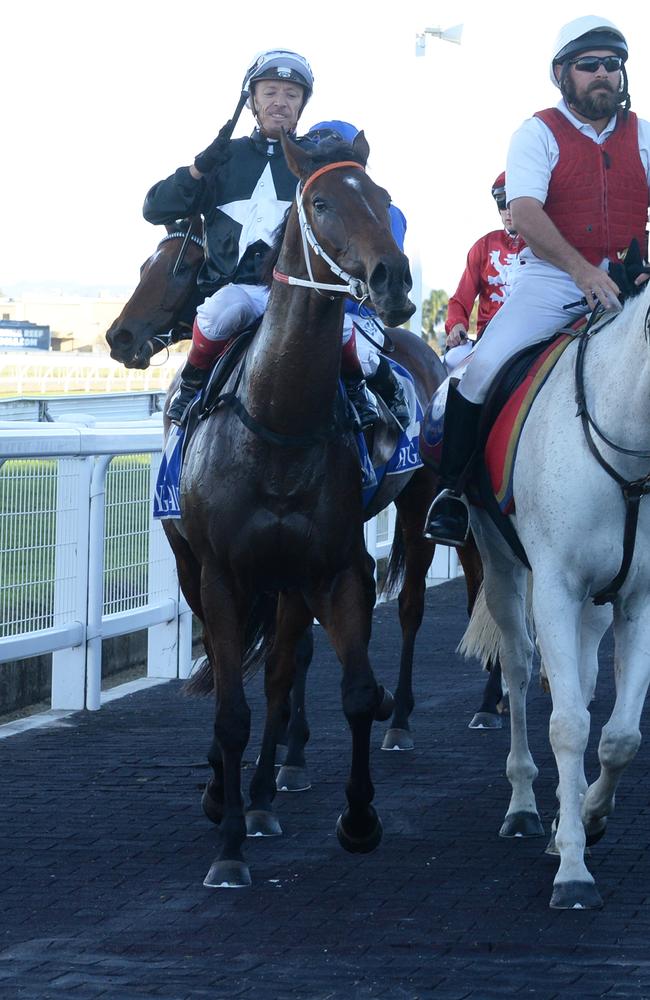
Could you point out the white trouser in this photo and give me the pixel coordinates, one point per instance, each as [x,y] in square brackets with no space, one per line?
[532,312]
[367,353]
[230,310]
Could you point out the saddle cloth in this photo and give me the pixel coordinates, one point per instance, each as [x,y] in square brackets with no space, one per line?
[390,451]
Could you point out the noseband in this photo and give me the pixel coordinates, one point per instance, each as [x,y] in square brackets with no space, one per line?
[355,287]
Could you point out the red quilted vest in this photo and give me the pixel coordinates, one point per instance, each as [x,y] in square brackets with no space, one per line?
[598,194]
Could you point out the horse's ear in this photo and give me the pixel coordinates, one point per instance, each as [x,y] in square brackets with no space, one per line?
[360,146]
[298,160]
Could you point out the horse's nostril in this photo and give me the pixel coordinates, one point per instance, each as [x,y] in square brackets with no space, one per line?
[120,339]
[379,278]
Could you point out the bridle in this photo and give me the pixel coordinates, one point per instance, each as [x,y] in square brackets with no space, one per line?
[186,237]
[355,287]
[633,490]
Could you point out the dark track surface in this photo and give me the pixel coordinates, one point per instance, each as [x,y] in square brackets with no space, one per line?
[105,847]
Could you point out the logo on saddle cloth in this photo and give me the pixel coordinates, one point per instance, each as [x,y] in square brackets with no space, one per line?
[503,439]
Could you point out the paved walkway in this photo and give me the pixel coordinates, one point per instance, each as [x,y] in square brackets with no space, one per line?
[104,849]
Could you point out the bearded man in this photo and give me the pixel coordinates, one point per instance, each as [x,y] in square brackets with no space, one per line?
[577,183]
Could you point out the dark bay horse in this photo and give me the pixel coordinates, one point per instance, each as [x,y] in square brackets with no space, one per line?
[161,310]
[159,313]
[271,494]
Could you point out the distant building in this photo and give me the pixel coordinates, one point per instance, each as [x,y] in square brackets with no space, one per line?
[22,335]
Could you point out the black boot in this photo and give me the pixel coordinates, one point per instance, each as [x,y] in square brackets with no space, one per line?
[361,399]
[192,381]
[448,518]
[389,387]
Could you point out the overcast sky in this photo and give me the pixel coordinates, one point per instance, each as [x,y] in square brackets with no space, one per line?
[100,100]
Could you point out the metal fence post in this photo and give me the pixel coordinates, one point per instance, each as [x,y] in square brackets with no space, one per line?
[162,639]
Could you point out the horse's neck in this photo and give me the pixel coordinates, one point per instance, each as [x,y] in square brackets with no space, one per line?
[294,368]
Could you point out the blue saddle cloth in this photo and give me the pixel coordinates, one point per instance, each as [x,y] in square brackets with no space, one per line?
[404,459]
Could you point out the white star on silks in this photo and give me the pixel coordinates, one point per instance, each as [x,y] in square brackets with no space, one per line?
[260,215]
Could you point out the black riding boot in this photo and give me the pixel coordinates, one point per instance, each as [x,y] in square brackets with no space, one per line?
[448,518]
[192,381]
[389,387]
[361,399]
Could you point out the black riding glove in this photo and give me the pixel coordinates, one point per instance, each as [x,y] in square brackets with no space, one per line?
[217,153]
[625,272]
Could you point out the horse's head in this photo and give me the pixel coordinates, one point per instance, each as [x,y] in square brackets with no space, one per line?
[160,310]
[349,218]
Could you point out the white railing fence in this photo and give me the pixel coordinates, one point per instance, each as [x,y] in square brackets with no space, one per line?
[82,560]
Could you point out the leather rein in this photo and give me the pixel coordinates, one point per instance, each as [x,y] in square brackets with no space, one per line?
[633,490]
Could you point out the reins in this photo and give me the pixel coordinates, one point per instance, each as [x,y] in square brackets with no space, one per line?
[353,286]
[187,236]
[632,490]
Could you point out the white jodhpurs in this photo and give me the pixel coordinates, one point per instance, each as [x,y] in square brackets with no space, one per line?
[230,310]
[532,312]
[367,353]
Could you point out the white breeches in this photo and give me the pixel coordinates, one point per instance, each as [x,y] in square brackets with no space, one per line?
[230,310]
[532,312]
[368,354]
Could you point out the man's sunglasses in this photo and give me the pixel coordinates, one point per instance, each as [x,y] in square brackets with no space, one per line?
[591,64]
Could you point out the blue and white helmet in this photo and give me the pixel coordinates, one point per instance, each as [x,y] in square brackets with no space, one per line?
[280,64]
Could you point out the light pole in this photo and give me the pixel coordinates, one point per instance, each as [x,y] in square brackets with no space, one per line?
[453,35]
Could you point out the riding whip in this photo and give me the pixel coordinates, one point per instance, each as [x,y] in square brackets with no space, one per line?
[225,132]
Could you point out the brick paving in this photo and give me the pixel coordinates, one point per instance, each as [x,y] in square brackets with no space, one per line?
[104,849]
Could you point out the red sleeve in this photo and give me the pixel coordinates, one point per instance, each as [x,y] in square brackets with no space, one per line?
[462,301]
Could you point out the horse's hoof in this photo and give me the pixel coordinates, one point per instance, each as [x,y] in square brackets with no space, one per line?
[522,824]
[292,779]
[262,823]
[211,809]
[356,841]
[228,875]
[575,896]
[398,739]
[280,755]
[386,704]
[596,832]
[486,720]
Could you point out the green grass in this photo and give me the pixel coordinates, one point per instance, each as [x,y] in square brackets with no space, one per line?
[28,502]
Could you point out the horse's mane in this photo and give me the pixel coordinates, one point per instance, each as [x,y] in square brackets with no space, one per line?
[328,151]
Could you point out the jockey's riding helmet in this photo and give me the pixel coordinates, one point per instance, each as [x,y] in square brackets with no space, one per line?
[499,191]
[283,65]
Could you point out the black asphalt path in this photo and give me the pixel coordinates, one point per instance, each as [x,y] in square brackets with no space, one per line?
[105,847]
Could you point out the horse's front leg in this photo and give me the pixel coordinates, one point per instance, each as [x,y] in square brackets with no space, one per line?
[558,619]
[293,775]
[293,619]
[223,629]
[621,736]
[412,506]
[346,614]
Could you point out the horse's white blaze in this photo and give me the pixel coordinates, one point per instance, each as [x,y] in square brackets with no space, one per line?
[570,517]
[354,182]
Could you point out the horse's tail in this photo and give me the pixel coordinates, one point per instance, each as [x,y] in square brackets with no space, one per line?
[396,563]
[482,638]
[258,638]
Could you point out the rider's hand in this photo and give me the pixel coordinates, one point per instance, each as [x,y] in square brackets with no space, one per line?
[457,335]
[216,154]
[597,286]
